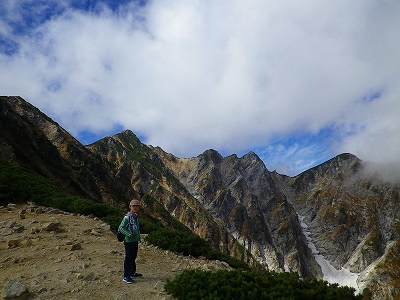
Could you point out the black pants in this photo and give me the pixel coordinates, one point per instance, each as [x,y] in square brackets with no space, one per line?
[131,250]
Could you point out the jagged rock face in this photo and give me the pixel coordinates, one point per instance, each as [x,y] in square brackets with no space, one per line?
[353,217]
[229,201]
[140,166]
[31,139]
[107,171]
[241,194]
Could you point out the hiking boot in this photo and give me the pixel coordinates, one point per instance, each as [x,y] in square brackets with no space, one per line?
[127,280]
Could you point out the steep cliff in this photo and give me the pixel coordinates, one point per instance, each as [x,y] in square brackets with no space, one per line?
[353,216]
[243,197]
[140,167]
[237,203]
[31,139]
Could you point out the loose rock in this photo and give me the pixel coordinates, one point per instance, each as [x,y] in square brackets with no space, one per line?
[14,290]
[78,258]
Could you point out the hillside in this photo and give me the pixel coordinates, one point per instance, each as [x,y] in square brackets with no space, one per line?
[56,255]
[339,212]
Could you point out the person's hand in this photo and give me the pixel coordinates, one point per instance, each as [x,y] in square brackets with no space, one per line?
[132,235]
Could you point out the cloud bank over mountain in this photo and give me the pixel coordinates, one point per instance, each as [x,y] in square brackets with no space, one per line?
[297,82]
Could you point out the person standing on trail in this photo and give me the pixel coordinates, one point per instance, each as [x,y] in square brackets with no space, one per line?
[130,228]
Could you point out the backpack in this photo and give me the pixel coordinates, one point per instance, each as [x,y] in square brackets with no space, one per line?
[120,237]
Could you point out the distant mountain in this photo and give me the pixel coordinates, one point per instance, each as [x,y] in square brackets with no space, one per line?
[354,218]
[242,196]
[237,203]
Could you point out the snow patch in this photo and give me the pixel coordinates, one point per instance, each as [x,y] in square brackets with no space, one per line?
[343,277]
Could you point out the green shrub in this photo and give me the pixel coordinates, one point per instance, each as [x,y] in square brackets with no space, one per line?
[240,284]
[188,243]
[113,221]
[233,262]
[19,185]
[178,241]
[148,227]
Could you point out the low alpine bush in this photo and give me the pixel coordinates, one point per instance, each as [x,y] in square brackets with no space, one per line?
[240,284]
[188,243]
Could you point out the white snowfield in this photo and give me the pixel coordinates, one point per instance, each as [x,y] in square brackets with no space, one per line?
[343,277]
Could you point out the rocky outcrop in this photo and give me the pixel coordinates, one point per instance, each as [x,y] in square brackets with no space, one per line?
[148,174]
[353,217]
[31,139]
[243,197]
[245,210]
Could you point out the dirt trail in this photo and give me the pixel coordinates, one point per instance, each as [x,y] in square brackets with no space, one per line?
[61,256]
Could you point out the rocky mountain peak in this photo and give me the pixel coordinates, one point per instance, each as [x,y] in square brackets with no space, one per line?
[212,156]
[238,205]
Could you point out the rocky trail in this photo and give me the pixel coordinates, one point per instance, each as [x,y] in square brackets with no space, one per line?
[49,254]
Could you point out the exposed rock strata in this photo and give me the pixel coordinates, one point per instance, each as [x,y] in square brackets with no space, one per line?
[352,214]
[243,197]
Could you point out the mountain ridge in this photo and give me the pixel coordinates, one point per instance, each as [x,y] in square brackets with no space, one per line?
[236,203]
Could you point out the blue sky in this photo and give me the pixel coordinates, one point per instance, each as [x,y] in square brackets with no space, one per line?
[296,82]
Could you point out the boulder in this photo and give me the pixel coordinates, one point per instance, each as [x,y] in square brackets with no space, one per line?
[14,290]
[50,225]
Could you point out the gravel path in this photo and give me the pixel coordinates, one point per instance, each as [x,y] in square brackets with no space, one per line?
[61,256]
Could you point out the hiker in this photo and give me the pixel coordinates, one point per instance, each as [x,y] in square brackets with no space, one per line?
[130,228]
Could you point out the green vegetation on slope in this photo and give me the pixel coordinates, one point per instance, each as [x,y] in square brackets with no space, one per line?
[19,185]
[239,284]
[188,243]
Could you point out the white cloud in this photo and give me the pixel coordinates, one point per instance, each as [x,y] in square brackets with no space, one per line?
[375,130]
[193,75]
